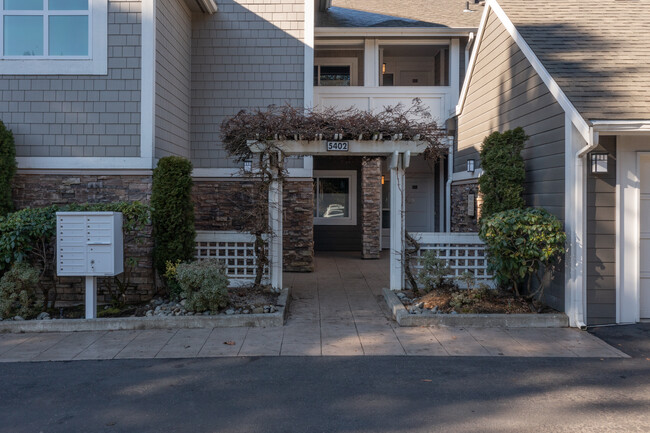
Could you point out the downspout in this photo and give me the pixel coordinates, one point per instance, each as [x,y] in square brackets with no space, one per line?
[450,174]
[579,302]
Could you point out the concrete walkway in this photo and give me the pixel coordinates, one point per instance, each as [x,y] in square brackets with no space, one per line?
[336,311]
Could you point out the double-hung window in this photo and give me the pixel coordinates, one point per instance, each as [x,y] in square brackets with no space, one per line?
[53,37]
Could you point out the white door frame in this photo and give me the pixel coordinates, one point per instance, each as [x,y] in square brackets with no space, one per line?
[629,150]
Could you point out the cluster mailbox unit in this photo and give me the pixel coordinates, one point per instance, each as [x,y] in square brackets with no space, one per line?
[89,244]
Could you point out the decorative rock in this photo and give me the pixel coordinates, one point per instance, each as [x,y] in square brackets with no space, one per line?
[229,311]
[207,313]
[453,312]
[419,305]
[258,310]
[182,303]
[149,313]
[245,312]
[401,295]
[18,318]
[435,309]
[43,316]
[272,309]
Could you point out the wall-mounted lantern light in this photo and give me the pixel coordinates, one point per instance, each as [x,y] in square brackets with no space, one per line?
[470,165]
[598,163]
[248,166]
[382,180]
[383,68]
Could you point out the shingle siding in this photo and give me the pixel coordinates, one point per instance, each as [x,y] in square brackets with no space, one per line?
[85,115]
[173,61]
[505,92]
[601,239]
[250,54]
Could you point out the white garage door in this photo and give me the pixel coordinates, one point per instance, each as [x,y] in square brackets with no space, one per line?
[645,238]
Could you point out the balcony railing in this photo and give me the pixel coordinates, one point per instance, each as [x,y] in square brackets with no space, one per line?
[440,100]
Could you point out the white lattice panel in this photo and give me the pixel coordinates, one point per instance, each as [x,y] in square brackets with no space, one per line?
[234,249]
[463,252]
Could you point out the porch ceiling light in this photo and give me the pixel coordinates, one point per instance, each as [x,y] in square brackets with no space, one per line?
[598,163]
[470,165]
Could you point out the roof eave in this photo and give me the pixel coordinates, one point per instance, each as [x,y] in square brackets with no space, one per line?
[393,31]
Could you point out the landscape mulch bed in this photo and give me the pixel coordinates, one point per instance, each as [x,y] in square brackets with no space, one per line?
[464,301]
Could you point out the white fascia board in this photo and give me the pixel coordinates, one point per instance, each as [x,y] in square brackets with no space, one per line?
[492,5]
[148,82]
[472,61]
[378,32]
[236,173]
[308,96]
[621,126]
[209,6]
[82,163]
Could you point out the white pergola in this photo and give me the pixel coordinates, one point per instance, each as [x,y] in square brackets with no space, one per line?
[399,152]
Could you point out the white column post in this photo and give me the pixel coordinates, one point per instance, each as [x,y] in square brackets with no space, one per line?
[91,297]
[275,223]
[371,66]
[397,232]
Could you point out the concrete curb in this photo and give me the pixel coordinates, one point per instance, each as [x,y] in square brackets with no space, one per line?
[268,320]
[403,318]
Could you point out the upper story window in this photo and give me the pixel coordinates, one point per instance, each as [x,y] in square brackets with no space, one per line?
[53,37]
[338,66]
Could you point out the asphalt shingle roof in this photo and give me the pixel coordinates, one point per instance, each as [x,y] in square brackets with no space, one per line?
[597,52]
[404,13]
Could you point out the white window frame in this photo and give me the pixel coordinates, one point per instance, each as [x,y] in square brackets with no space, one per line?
[352,62]
[96,63]
[351,175]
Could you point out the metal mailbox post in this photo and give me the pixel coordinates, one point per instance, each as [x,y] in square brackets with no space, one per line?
[91,245]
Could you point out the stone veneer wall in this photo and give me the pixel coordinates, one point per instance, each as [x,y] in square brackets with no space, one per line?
[371,207]
[460,220]
[39,190]
[218,205]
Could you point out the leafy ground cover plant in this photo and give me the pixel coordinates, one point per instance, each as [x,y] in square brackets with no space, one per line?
[18,291]
[434,273]
[522,245]
[204,285]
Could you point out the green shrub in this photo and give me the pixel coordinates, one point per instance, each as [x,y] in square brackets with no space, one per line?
[29,235]
[18,291]
[502,182]
[204,285]
[521,243]
[7,168]
[173,212]
[434,273]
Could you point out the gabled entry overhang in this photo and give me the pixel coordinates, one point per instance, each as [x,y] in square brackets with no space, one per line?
[205,6]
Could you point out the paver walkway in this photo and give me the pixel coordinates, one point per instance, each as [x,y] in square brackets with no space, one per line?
[336,311]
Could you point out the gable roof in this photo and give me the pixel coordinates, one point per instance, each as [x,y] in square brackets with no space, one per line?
[405,13]
[597,53]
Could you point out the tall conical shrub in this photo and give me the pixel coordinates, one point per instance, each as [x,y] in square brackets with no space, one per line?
[172,212]
[7,168]
[502,182]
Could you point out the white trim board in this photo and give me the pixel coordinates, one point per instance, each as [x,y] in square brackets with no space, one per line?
[148,82]
[393,31]
[553,87]
[308,98]
[628,182]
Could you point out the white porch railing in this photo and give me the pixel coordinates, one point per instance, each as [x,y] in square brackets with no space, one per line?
[440,100]
[235,249]
[463,252]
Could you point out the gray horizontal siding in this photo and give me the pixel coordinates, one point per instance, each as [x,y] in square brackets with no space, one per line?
[505,92]
[601,239]
[248,55]
[85,115]
[173,61]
